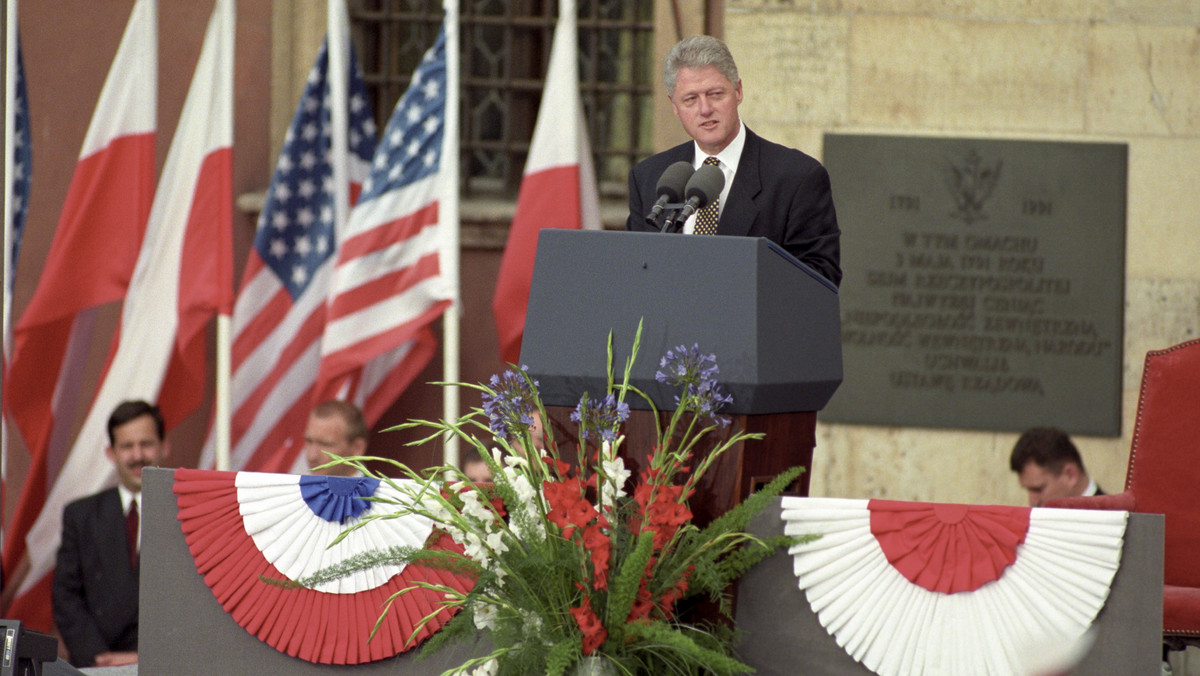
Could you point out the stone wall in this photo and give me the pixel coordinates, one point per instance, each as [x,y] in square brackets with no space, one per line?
[1080,70]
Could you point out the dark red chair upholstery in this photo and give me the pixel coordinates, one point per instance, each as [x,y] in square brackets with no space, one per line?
[1164,478]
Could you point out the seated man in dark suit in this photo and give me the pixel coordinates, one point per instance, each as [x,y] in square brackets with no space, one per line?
[1049,466]
[770,190]
[95,589]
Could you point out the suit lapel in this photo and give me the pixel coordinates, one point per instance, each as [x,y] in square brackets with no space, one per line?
[740,209]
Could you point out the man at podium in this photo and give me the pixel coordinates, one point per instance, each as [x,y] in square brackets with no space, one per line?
[767,190]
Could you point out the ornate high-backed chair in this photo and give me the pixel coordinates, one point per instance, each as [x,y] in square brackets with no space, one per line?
[1164,478]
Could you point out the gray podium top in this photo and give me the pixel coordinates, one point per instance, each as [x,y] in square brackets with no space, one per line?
[772,322]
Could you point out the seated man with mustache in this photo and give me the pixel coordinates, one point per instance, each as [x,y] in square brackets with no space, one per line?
[95,589]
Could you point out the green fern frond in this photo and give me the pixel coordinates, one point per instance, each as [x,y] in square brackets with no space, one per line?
[623,587]
[736,519]
[703,659]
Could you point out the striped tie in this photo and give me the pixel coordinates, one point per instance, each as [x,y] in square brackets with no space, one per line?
[706,218]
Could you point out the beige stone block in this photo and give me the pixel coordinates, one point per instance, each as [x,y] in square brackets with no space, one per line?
[1143,80]
[1163,232]
[792,65]
[1107,458]
[1159,313]
[944,465]
[806,138]
[994,10]
[950,75]
[1166,12]
[913,464]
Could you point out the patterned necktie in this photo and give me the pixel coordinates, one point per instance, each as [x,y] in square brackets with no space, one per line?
[131,533]
[706,218]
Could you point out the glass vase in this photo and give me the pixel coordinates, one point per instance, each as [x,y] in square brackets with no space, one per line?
[594,665]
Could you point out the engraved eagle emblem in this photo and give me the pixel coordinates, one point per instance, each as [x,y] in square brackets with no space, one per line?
[970,184]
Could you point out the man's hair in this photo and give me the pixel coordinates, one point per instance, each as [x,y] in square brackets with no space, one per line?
[128,410]
[470,455]
[1048,447]
[356,426]
[697,52]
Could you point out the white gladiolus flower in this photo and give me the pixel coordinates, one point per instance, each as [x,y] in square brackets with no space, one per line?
[496,542]
[485,615]
[477,550]
[474,508]
[520,485]
[614,488]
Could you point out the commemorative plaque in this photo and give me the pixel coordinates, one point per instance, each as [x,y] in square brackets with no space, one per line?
[984,282]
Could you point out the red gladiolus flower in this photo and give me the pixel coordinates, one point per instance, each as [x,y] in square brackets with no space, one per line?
[561,468]
[568,509]
[600,547]
[589,623]
[642,605]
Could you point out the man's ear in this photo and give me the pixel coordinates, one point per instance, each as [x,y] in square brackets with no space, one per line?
[358,446]
[1070,471]
[110,454]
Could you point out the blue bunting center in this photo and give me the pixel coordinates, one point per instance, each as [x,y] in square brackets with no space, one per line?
[337,498]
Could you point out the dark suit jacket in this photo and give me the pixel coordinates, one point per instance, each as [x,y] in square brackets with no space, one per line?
[778,193]
[95,590]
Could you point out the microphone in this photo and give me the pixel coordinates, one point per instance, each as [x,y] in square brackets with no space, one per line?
[670,189]
[703,187]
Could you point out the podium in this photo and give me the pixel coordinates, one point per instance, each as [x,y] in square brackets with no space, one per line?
[772,322]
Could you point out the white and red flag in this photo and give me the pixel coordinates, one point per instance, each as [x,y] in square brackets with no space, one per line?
[279,316]
[90,264]
[558,189]
[182,278]
[388,286]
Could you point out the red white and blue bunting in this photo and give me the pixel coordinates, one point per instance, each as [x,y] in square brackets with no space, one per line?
[921,588]
[245,526]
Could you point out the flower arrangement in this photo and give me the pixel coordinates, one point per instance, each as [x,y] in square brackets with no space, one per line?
[573,565]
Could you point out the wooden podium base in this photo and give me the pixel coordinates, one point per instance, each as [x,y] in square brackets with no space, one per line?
[747,466]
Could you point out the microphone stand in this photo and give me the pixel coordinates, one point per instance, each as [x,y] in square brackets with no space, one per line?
[672,211]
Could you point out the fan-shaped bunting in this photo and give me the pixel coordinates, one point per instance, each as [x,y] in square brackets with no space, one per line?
[948,548]
[244,526]
[910,588]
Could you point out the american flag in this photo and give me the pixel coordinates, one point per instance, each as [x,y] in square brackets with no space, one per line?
[388,287]
[22,171]
[279,316]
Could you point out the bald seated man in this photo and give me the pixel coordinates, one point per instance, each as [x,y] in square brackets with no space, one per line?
[338,428]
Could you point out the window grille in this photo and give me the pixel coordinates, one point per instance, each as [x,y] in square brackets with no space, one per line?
[505,48]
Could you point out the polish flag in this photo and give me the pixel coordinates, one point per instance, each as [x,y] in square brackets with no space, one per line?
[558,189]
[90,263]
[182,278]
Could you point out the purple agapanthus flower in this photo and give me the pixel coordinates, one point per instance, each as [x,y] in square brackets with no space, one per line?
[603,418]
[511,403]
[696,373]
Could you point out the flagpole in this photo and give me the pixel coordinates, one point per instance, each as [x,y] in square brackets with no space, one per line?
[339,48]
[223,404]
[452,318]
